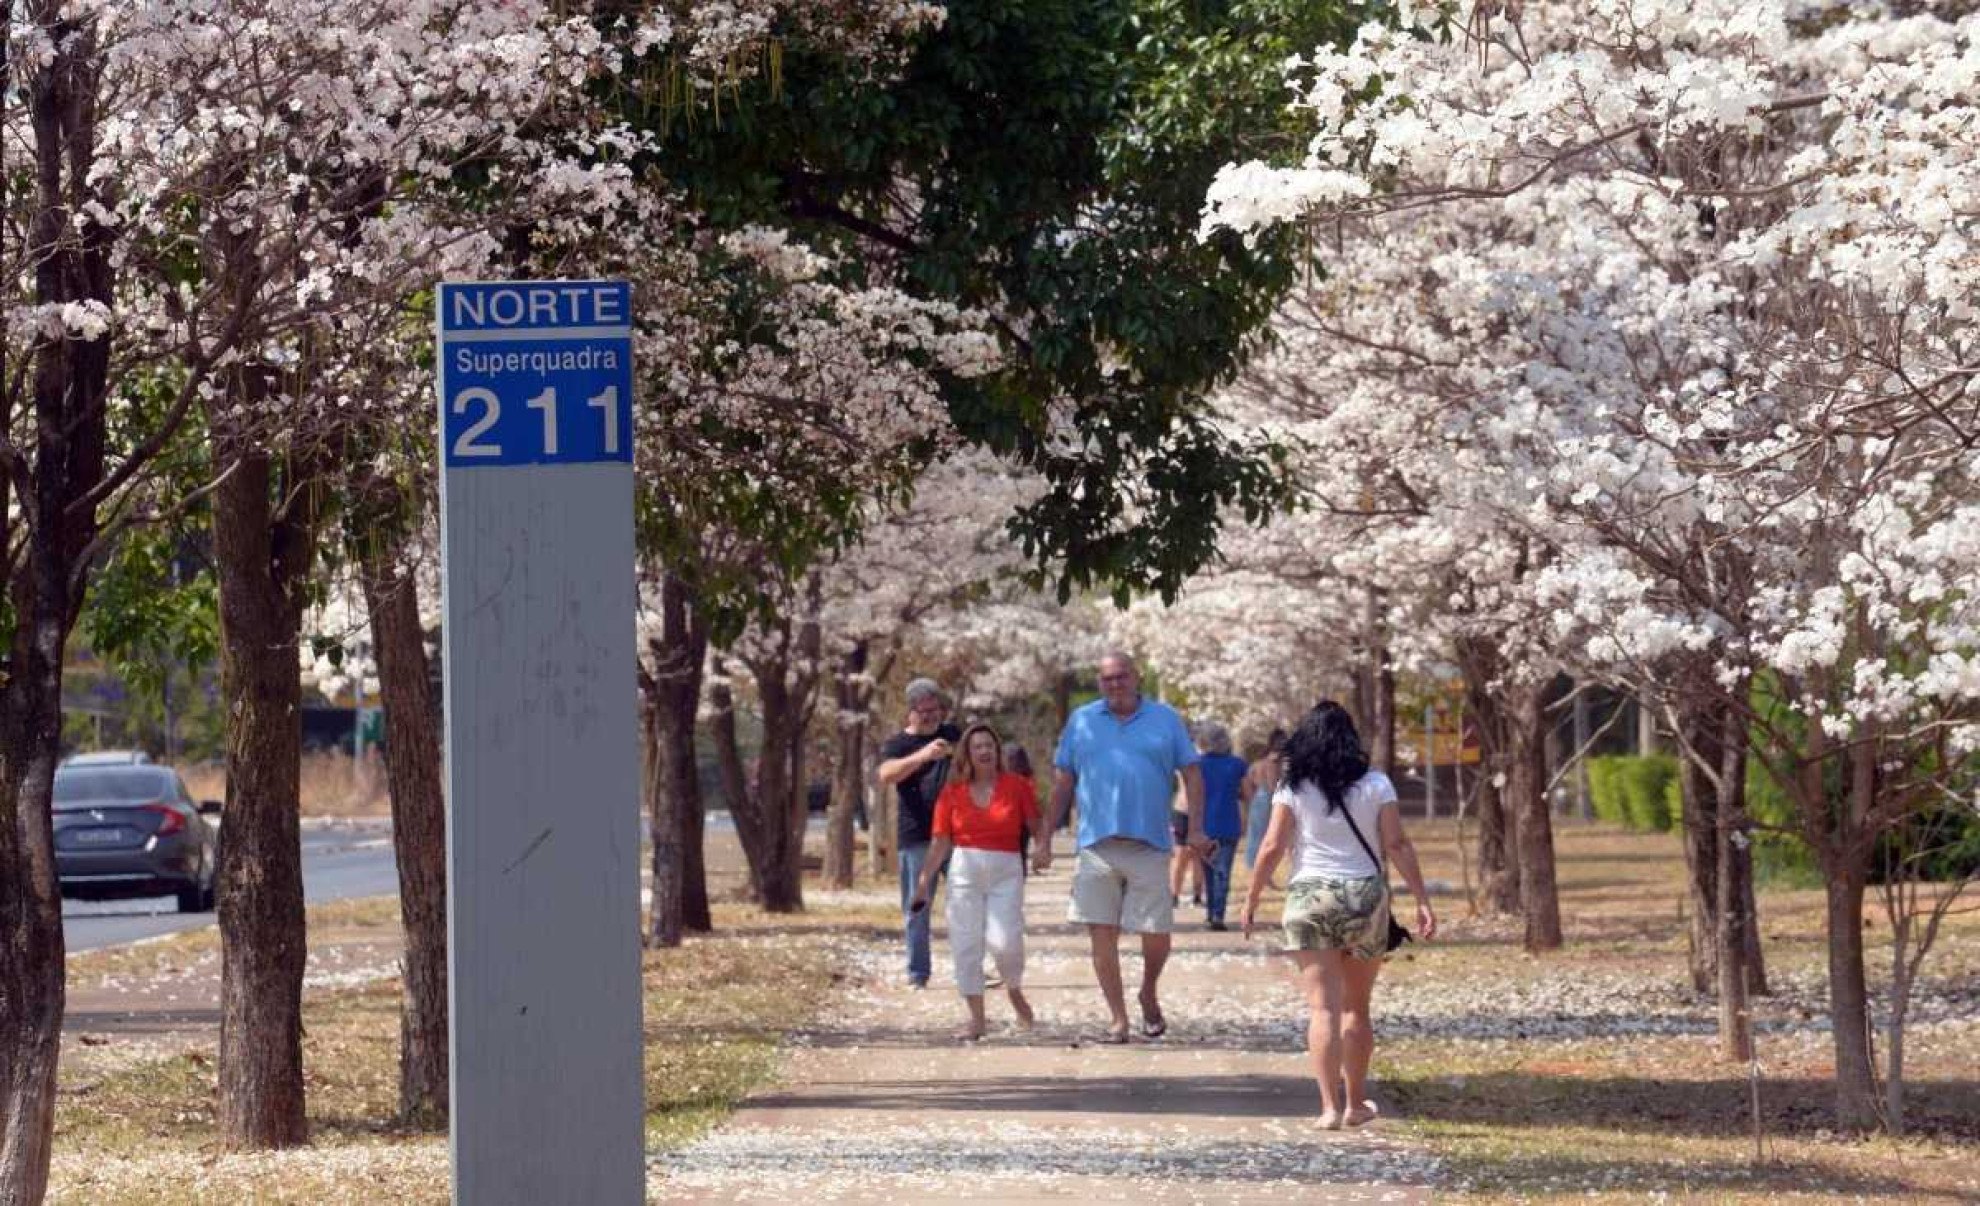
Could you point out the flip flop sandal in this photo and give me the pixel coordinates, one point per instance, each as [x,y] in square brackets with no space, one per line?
[1108,1038]
[1154,1030]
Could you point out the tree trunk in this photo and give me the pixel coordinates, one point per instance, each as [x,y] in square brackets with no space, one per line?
[1699,829]
[852,693]
[695,915]
[1498,873]
[1848,856]
[419,826]
[263,945]
[1902,921]
[1849,1001]
[1375,688]
[735,781]
[1383,755]
[1526,790]
[671,691]
[663,823]
[32,951]
[805,677]
[50,534]
[1735,1021]
[1647,741]
[31,941]
[1749,909]
[786,687]
[882,823]
[776,857]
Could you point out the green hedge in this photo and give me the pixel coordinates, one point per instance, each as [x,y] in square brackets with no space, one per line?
[1644,781]
[1605,791]
[1640,793]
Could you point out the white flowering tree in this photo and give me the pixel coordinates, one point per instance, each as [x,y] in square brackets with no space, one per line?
[259,194]
[913,567]
[767,437]
[1073,244]
[1707,263]
[1403,558]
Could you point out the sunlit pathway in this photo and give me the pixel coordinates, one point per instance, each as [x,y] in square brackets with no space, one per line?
[880,1104]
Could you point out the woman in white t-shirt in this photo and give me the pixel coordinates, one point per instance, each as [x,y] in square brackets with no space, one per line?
[1333,813]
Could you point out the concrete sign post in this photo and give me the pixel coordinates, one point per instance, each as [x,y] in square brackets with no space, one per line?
[536,539]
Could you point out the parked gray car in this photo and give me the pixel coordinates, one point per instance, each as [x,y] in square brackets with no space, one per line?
[133,830]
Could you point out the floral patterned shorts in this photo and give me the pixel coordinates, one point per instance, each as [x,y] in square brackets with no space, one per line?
[1349,915]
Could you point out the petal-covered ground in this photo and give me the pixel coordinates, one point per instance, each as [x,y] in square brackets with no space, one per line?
[883,1104]
[1590,1072]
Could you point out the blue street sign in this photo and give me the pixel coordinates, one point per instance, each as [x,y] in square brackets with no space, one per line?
[535,372]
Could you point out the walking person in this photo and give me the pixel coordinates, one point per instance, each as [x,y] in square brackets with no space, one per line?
[1259,784]
[982,816]
[1223,816]
[1185,865]
[1329,809]
[1120,756]
[915,763]
[1018,761]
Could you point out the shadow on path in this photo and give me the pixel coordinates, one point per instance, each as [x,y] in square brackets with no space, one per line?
[1276,1097]
[1949,1109]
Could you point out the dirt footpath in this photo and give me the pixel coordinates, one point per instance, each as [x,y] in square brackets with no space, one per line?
[881,1104]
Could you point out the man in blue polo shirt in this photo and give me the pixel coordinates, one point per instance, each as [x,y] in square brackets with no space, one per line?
[1120,755]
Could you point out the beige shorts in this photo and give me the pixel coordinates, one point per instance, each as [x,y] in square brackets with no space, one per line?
[1123,882]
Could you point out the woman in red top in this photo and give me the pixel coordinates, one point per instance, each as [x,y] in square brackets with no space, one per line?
[982,815]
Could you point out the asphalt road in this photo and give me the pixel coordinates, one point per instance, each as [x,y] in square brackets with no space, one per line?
[337,863]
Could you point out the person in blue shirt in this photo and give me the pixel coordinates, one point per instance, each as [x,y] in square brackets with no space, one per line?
[1223,816]
[1120,756]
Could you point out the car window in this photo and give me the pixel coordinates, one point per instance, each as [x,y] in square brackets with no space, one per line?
[110,783]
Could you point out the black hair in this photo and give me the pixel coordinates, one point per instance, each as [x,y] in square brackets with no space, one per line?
[1326,751]
[1276,743]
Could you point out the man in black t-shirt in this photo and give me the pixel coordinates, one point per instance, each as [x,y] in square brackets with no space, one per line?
[915,763]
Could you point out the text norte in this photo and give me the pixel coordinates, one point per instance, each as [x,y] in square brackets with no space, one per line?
[578,304]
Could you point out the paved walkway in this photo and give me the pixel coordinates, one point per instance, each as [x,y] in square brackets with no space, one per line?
[882,1105]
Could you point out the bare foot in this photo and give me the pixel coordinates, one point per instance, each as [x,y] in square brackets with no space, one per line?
[1362,1114]
[968,1032]
[1022,1008]
[1329,1120]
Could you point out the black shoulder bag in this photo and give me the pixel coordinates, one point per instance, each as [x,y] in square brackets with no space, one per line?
[1397,934]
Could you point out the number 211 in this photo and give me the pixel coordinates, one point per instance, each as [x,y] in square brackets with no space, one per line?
[471,444]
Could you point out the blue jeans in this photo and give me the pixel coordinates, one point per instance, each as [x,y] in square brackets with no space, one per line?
[919,963]
[1217,878]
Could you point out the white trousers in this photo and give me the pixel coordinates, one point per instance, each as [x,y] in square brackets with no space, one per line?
[986,908]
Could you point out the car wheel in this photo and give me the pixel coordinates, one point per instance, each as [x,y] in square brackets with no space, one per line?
[199,898]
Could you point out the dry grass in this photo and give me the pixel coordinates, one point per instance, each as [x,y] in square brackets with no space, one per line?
[1577,1109]
[333,785]
[1622,1116]
[140,1128]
